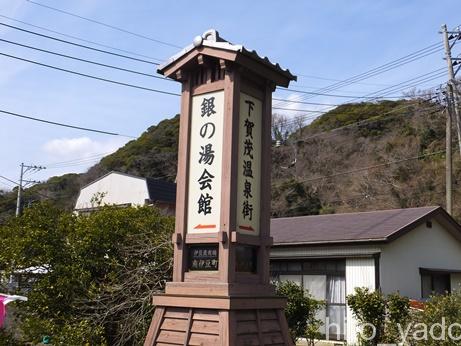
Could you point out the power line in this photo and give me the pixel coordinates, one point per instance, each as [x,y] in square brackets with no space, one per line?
[306,103]
[403,85]
[352,98]
[384,68]
[8,179]
[127,70]
[132,85]
[83,163]
[298,110]
[333,132]
[84,40]
[51,164]
[76,163]
[27,190]
[78,44]
[368,167]
[324,110]
[64,125]
[311,87]
[371,119]
[8,185]
[418,79]
[127,84]
[105,24]
[325,94]
[364,197]
[84,60]
[335,80]
[90,76]
[308,116]
[382,95]
[414,85]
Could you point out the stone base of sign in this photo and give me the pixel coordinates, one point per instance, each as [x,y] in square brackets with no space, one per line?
[218,321]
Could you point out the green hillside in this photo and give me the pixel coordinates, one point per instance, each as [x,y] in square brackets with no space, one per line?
[340,162]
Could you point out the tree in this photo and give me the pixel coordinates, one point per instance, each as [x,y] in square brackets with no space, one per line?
[98,272]
[282,127]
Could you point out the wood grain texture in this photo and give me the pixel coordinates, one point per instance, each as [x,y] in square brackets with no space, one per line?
[266,146]
[207,88]
[154,326]
[182,181]
[188,327]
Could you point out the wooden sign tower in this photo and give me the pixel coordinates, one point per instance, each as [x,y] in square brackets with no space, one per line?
[221,292]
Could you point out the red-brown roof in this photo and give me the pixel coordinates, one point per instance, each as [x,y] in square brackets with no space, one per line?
[374,226]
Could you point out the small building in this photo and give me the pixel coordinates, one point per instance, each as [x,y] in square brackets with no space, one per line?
[415,251]
[121,189]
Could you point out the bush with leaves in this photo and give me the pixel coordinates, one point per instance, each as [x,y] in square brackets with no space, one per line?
[100,272]
[379,315]
[301,311]
[6,338]
[440,312]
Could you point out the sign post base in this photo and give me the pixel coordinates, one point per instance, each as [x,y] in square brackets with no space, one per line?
[218,320]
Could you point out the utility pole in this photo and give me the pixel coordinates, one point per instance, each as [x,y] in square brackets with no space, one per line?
[452,111]
[448,159]
[18,200]
[23,183]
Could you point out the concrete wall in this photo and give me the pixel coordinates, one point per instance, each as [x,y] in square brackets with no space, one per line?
[360,272]
[118,189]
[422,247]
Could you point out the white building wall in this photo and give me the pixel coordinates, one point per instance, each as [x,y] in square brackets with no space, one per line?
[423,247]
[117,189]
[360,272]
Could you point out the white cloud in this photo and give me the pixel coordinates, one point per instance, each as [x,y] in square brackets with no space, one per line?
[80,147]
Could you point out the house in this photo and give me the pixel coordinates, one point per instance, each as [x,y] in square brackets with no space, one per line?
[415,252]
[121,189]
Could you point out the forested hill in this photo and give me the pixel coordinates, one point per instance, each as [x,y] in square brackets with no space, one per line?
[153,154]
[357,157]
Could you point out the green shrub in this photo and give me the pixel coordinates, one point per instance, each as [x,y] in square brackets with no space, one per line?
[7,338]
[385,313]
[439,309]
[301,311]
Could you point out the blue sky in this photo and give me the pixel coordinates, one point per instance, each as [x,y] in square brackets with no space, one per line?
[328,39]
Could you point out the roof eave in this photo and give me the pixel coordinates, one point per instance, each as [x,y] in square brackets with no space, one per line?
[336,242]
[239,55]
[180,61]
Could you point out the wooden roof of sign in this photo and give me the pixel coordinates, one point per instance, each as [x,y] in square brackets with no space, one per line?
[212,45]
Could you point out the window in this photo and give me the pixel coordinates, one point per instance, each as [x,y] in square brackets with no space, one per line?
[433,282]
[325,279]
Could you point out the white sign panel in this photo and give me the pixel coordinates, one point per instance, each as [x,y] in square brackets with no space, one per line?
[206,137]
[249,165]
